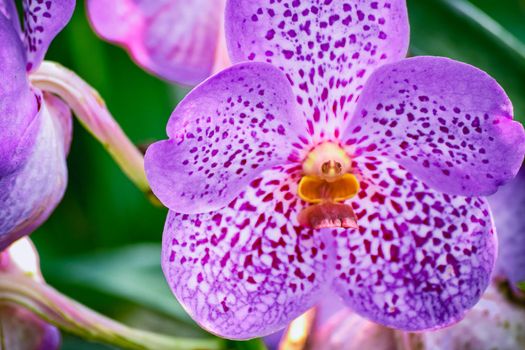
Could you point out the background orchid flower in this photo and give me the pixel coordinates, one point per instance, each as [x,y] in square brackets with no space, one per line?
[21,329]
[181,41]
[266,160]
[35,127]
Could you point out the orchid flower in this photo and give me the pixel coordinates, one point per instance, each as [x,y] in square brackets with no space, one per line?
[35,119]
[181,41]
[20,329]
[35,127]
[331,162]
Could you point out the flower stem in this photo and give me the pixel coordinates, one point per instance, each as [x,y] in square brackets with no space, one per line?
[77,319]
[93,114]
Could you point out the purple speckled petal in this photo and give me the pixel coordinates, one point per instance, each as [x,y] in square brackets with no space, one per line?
[223,135]
[494,323]
[29,195]
[328,49]
[19,121]
[247,270]
[421,258]
[174,39]
[447,122]
[21,330]
[43,20]
[507,206]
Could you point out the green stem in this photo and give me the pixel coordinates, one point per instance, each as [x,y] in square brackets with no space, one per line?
[93,114]
[77,319]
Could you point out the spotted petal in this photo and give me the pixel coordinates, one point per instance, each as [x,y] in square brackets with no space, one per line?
[29,195]
[328,49]
[507,205]
[447,122]
[247,270]
[421,258]
[223,135]
[174,39]
[43,20]
[19,121]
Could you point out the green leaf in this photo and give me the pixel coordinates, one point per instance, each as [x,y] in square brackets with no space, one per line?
[521,286]
[461,30]
[132,273]
[254,344]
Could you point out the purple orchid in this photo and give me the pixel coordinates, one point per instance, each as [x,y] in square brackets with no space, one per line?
[332,163]
[35,127]
[177,40]
[19,328]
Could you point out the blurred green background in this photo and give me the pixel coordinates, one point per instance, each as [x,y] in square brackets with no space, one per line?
[102,245]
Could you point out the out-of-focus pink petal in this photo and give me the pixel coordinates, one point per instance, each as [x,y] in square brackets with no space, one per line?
[177,40]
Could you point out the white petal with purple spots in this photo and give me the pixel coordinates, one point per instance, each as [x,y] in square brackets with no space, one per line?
[248,269]
[328,49]
[421,258]
[447,122]
[222,135]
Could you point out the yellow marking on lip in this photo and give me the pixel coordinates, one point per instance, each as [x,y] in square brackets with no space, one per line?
[316,190]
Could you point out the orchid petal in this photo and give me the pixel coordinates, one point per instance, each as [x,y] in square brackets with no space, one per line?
[21,330]
[249,269]
[494,323]
[29,195]
[222,135]
[19,120]
[507,205]
[328,49]
[174,39]
[43,20]
[447,122]
[8,9]
[421,258]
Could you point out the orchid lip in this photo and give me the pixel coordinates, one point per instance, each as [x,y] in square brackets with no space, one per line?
[327,182]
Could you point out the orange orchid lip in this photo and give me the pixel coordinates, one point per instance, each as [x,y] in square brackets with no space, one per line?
[326,183]
[316,190]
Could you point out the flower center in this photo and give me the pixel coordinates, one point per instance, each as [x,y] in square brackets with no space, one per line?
[326,183]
